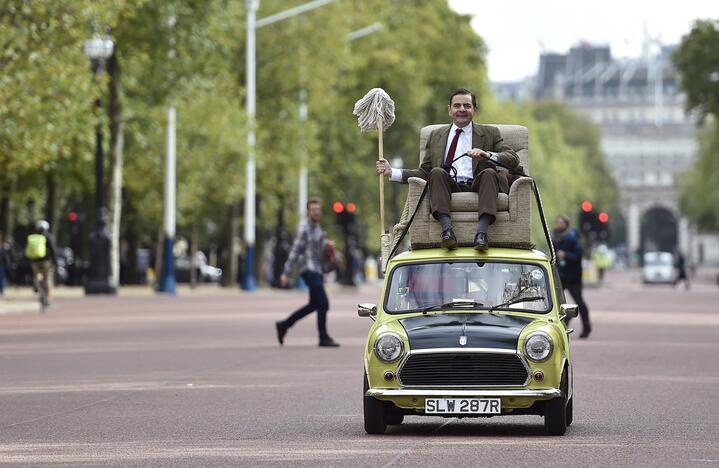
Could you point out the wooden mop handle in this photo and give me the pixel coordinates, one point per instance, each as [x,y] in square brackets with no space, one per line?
[380,127]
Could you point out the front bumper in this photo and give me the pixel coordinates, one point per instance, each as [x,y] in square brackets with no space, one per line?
[418,392]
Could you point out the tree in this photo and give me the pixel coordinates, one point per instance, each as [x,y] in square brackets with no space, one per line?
[699,197]
[44,87]
[697,61]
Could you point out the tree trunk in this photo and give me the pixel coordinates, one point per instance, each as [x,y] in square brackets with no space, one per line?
[51,202]
[7,223]
[114,110]
[193,255]
[229,275]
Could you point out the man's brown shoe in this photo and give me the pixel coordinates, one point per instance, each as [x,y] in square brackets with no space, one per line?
[449,240]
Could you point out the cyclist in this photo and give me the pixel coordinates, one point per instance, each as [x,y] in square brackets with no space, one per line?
[41,252]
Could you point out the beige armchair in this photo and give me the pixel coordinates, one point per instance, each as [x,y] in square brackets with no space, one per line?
[512,227]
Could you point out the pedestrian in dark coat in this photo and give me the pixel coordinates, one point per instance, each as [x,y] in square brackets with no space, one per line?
[681,266]
[568,247]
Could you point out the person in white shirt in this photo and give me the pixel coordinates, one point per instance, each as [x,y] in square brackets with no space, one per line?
[446,169]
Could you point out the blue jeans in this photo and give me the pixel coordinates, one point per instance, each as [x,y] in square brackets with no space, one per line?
[318,302]
[2,279]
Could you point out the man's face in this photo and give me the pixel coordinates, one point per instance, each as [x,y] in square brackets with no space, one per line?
[461,110]
[314,212]
[560,224]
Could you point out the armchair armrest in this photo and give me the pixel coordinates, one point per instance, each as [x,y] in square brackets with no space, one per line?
[416,186]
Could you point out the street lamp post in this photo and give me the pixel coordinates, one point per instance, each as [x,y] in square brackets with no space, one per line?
[99,280]
[253,24]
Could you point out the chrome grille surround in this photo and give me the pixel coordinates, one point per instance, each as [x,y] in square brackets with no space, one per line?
[444,352]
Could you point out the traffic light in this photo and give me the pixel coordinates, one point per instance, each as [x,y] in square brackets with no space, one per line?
[346,218]
[586,217]
[347,221]
[73,267]
[603,228]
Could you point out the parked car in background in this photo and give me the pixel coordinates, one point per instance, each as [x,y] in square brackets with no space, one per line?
[658,267]
[205,273]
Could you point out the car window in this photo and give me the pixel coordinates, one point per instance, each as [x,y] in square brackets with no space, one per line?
[415,286]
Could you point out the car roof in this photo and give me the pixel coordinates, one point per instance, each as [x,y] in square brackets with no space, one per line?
[468,253]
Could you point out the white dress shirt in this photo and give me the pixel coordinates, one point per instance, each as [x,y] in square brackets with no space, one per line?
[464,144]
[462,165]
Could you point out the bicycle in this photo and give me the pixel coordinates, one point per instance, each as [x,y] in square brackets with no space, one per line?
[41,280]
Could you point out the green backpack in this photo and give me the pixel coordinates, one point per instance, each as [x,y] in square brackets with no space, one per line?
[36,248]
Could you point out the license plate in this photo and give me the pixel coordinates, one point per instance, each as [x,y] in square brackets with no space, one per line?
[462,406]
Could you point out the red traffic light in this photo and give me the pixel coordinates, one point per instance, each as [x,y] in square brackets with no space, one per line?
[603,217]
[351,207]
[338,207]
[586,206]
[72,216]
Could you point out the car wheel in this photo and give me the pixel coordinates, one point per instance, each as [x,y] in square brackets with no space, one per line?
[555,412]
[570,411]
[374,414]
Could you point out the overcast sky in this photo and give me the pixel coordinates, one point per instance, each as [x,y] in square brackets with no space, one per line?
[516,31]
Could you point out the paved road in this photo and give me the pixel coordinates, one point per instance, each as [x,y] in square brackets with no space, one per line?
[199,380]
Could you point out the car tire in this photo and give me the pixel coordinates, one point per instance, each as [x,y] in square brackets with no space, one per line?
[570,411]
[555,412]
[374,412]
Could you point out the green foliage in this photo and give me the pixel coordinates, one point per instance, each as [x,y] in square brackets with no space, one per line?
[699,197]
[697,61]
[197,64]
[45,85]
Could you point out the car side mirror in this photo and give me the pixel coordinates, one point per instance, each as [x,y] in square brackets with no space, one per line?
[568,311]
[367,310]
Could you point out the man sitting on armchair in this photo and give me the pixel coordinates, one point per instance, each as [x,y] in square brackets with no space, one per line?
[446,171]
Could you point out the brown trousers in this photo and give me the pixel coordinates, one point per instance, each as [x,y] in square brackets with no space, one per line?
[442,185]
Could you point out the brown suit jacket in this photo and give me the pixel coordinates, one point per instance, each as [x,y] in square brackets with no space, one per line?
[485,137]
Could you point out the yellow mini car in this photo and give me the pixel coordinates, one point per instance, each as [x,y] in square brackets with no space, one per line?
[468,334]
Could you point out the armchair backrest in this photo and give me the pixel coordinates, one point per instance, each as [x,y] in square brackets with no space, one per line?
[515,136]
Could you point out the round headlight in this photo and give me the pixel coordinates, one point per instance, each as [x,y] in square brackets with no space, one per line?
[538,346]
[389,347]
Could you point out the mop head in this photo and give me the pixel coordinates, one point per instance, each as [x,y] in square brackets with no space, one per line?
[375,104]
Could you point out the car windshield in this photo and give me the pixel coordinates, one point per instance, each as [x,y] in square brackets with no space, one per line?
[658,259]
[478,285]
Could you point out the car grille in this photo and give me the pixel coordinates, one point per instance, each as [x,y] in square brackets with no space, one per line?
[462,370]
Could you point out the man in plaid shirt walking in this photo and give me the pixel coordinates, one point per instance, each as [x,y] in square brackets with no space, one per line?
[306,257]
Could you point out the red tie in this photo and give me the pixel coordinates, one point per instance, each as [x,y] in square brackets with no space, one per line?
[453,147]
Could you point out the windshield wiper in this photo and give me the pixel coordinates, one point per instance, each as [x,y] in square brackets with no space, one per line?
[515,301]
[452,305]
